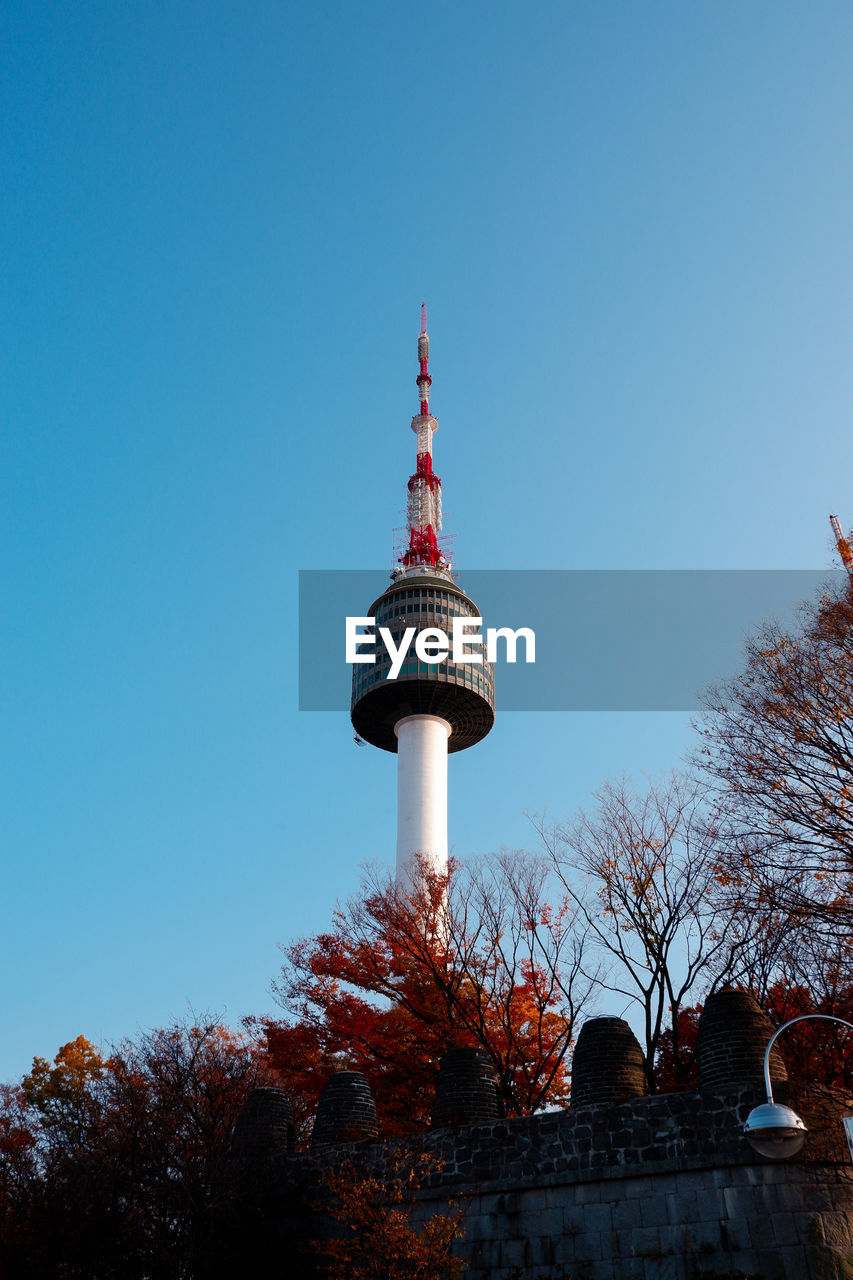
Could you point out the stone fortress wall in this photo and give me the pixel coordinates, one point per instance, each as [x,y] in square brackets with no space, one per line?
[618,1187]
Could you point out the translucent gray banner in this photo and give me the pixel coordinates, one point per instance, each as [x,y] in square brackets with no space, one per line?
[606,640]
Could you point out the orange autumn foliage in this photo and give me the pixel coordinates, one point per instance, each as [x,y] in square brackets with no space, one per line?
[465,958]
[380,1237]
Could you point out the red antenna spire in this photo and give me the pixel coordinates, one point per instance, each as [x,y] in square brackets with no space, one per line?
[423,509]
[424,381]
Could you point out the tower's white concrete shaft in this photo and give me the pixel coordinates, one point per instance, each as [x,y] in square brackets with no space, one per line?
[430,709]
[422,791]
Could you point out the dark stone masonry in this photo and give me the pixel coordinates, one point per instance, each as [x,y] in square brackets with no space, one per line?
[733,1036]
[467,1089]
[607,1065]
[264,1127]
[643,1188]
[346,1111]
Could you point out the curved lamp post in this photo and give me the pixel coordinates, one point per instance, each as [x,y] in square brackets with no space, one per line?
[772,1129]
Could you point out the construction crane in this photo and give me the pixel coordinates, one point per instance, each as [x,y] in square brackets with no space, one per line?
[842,544]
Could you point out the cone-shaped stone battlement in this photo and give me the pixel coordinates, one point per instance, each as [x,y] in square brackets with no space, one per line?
[607,1066]
[346,1111]
[731,1042]
[467,1090]
[264,1126]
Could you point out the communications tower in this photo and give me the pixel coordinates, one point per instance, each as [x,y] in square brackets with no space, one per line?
[430,709]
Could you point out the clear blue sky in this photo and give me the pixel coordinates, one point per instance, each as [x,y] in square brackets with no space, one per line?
[631,224]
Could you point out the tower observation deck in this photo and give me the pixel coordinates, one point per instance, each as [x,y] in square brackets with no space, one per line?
[430,709]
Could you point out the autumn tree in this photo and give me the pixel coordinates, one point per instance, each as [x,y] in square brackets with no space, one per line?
[777,742]
[380,1234]
[114,1165]
[642,870]
[676,1065]
[816,1052]
[192,1081]
[473,956]
[18,1175]
[66,1094]
[73,1206]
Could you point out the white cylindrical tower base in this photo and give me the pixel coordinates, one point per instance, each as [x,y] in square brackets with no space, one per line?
[421,792]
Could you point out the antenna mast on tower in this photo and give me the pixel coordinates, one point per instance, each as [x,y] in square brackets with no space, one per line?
[423,508]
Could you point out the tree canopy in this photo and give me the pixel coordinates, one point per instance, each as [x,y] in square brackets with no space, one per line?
[777,742]
[475,956]
[112,1166]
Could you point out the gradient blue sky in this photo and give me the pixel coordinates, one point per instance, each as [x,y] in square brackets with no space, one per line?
[631,224]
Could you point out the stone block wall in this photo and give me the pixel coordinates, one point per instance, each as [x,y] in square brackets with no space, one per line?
[657,1217]
[662,1188]
[691,1225]
[614,1188]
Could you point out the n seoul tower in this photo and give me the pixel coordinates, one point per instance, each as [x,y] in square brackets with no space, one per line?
[430,709]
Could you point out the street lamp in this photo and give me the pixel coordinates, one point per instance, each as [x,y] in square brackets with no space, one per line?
[772,1129]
